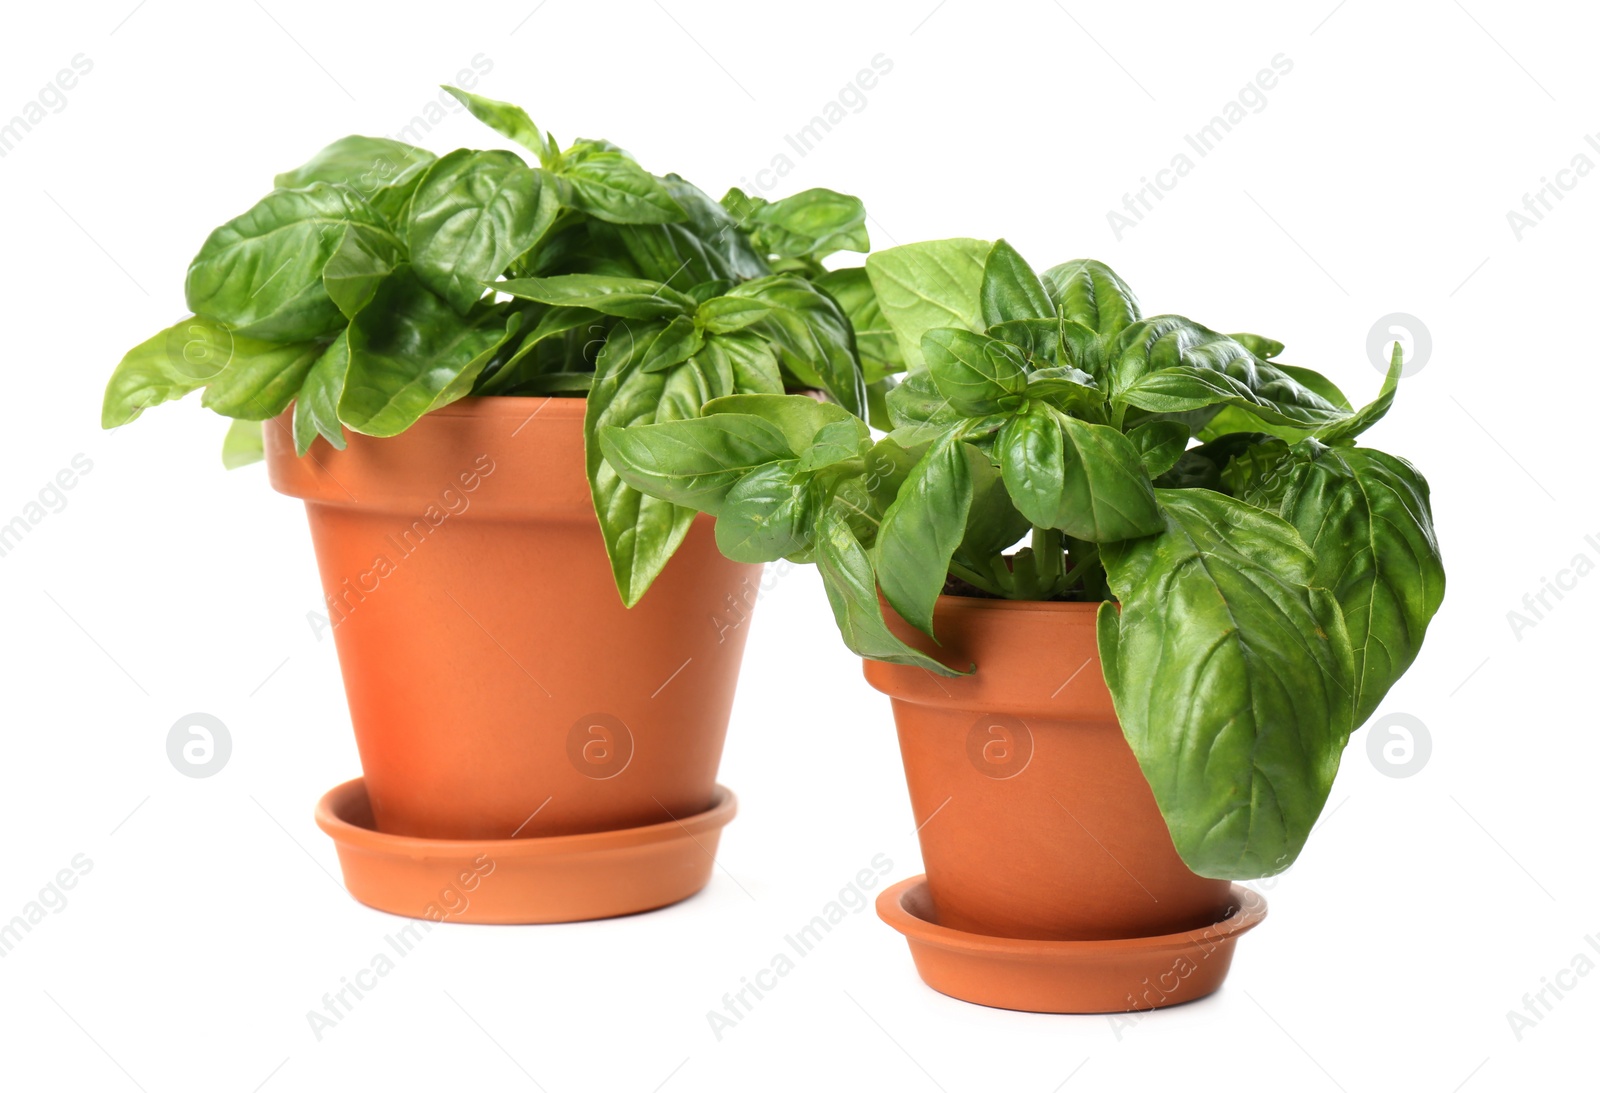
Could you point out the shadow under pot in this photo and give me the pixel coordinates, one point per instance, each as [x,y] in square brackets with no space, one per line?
[1052,882]
[521,732]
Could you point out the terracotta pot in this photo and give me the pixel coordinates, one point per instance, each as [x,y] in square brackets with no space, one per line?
[1035,820]
[497,685]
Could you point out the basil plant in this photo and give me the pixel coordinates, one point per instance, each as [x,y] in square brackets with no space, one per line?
[378,282]
[1263,579]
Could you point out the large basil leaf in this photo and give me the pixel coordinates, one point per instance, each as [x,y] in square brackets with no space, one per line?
[1011,290]
[706,245]
[410,353]
[798,417]
[916,403]
[1083,479]
[383,171]
[976,373]
[922,286]
[260,274]
[357,264]
[1236,419]
[1231,676]
[847,577]
[1090,294]
[695,462]
[260,378]
[767,515]
[606,183]
[876,343]
[812,337]
[166,366]
[555,325]
[1169,364]
[472,214]
[1373,412]
[641,532]
[511,122]
[811,224]
[316,407]
[1368,522]
[626,297]
[922,529]
[748,358]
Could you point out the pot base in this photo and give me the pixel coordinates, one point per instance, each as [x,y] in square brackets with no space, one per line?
[558,878]
[1121,976]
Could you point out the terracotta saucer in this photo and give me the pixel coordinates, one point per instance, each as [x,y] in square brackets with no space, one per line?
[1124,975]
[557,878]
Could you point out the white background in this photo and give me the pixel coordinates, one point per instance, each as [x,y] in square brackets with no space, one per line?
[1376,179]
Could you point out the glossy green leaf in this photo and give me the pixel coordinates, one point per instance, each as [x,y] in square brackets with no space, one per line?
[410,353]
[798,417]
[812,224]
[524,363]
[511,122]
[766,515]
[1370,414]
[472,214]
[706,245]
[260,274]
[260,378]
[694,462]
[1160,444]
[359,261]
[1082,479]
[1230,673]
[366,164]
[976,373]
[749,359]
[847,577]
[1011,290]
[1090,293]
[835,443]
[915,403]
[182,358]
[923,286]
[606,183]
[242,445]
[676,344]
[626,297]
[316,407]
[1367,519]
[811,335]
[922,529]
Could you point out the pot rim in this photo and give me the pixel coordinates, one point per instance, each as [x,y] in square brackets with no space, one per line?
[511,406]
[947,601]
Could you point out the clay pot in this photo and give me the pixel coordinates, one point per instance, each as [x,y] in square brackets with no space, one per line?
[497,685]
[1035,820]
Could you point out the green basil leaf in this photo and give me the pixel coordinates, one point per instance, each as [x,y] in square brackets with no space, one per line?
[798,417]
[1367,519]
[1160,444]
[166,366]
[1066,388]
[1083,479]
[243,444]
[260,274]
[696,461]
[316,407]
[677,343]
[511,122]
[811,335]
[727,313]
[1231,677]
[847,577]
[411,353]
[606,183]
[359,261]
[260,378]
[923,286]
[1370,414]
[766,515]
[365,164]
[1090,293]
[705,246]
[1236,419]
[1040,339]
[835,443]
[976,373]
[554,383]
[810,224]
[747,358]
[876,343]
[641,531]
[472,215]
[915,403]
[1011,290]
[1265,348]
[524,363]
[627,297]
[922,529]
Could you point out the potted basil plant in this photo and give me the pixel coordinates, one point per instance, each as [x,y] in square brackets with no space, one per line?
[1105,729]
[424,349]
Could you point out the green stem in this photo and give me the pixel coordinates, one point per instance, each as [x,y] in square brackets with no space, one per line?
[973,578]
[1049,563]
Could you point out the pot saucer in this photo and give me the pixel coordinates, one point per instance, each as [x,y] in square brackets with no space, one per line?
[1123,975]
[557,878]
